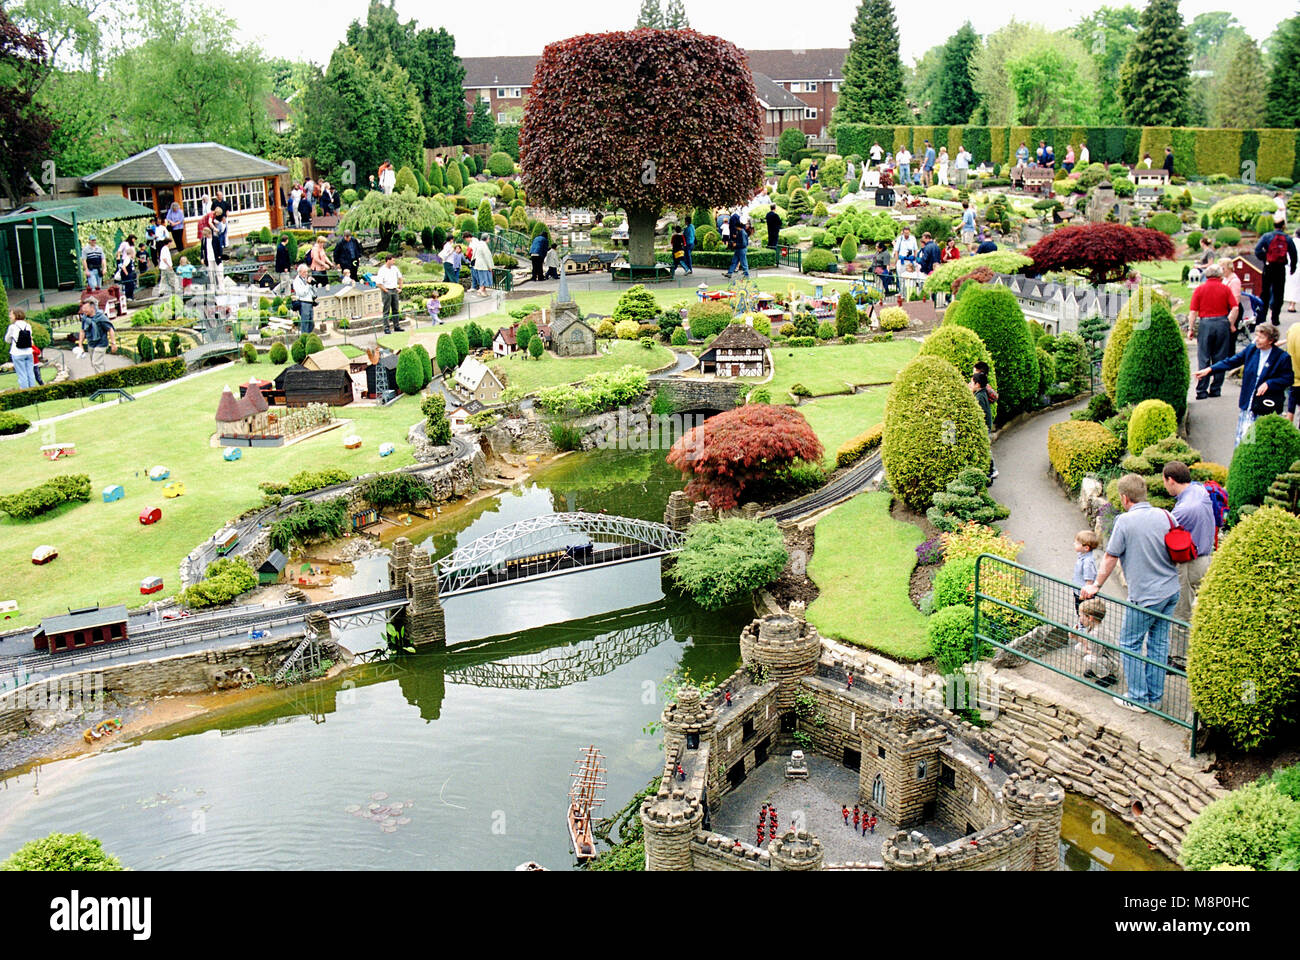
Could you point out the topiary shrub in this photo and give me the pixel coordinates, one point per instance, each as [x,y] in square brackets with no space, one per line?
[679,338]
[279,353]
[426,363]
[707,318]
[1243,667]
[1152,420]
[1227,237]
[825,331]
[950,632]
[1243,829]
[1076,448]
[849,248]
[627,329]
[605,330]
[501,164]
[248,350]
[1241,210]
[637,304]
[410,372]
[961,347]
[964,500]
[994,314]
[933,430]
[846,315]
[1155,364]
[1166,222]
[818,261]
[1141,301]
[299,350]
[1270,446]
[894,318]
[1046,371]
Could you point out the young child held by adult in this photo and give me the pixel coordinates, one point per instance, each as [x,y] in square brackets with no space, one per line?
[1085,564]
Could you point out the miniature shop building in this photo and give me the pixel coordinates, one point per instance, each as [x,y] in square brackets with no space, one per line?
[86,627]
[272,568]
[738,351]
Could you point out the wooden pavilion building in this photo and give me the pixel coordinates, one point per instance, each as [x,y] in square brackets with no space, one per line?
[190,173]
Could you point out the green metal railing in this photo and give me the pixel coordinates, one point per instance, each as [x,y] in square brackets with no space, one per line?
[789,256]
[1025,613]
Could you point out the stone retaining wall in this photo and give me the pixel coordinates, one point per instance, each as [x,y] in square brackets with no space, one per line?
[692,394]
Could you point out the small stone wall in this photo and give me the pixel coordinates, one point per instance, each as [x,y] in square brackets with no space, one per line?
[198,672]
[731,747]
[970,800]
[693,394]
[714,852]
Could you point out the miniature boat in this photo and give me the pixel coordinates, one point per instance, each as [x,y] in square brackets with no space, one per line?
[588,778]
[44,554]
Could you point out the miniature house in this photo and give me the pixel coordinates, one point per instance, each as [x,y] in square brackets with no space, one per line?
[247,421]
[1058,307]
[478,382]
[351,301]
[738,351]
[86,627]
[1250,271]
[505,342]
[272,568]
[571,336]
[299,386]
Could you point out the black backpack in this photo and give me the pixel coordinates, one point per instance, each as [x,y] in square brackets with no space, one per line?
[24,341]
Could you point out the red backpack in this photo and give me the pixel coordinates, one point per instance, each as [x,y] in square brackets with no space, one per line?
[1179,543]
[1277,251]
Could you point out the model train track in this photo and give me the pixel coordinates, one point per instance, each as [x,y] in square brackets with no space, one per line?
[850,483]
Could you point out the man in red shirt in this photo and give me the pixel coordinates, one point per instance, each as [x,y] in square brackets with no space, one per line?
[1210,327]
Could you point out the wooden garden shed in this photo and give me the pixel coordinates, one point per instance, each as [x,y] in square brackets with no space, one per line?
[272,568]
[39,244]
[302,386]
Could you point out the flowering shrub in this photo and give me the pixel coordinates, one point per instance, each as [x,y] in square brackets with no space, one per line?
[930,552]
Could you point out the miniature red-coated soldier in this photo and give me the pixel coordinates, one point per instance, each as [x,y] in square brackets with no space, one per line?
[844,809]
[873,823]
[738,845]
[772,829]
[760,834]
[681,774]
[727,695]
[856,818]
[850,684]
[991,759]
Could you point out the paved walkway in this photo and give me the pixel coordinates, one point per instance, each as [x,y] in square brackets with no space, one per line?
[1046,519]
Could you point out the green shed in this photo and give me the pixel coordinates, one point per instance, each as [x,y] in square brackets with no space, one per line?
[39,244]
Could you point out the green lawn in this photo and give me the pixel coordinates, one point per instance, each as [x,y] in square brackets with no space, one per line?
[837,368]
[548,370]
[837,419]
[865,601]
[104,552]
[1169,274]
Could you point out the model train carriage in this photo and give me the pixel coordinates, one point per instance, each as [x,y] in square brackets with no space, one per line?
[550,556]
[226,541]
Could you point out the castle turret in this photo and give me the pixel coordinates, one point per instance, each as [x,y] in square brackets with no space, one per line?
[426,624]
[899,773]
[796,850]
[908,851]
[1038,804]
[788,647]
[702,512]
[687,723]
[670,819]
[677,514]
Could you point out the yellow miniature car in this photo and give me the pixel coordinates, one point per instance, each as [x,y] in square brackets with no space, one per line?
[174,489]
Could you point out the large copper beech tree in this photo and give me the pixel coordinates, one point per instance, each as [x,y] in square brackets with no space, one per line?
[1100,251]
[645,119]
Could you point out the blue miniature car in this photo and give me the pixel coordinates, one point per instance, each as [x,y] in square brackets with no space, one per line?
[258,634]
[232,453]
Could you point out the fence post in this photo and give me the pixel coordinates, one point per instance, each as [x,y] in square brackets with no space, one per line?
[975,623]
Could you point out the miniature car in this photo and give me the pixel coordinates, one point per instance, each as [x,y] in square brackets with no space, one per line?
[159,473]
[151,584]
[43,554]
[351,442]
[176,615]
[150,515]
[232,453]
[114,492]
[174,489]
[258,634]
[386,449]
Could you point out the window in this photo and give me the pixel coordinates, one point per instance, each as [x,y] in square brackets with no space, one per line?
[835,86]
[503,118]
[810,88]
[947,776]
[509,93]
[140,195]
[810,113]
[240,195]
[575,337]
[921,769]
[880,752]
[746,730]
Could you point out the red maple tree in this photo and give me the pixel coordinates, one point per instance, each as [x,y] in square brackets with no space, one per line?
[979,275]
[741,447]
[645,119]
[1101,251]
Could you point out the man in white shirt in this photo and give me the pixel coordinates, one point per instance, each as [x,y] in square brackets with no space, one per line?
[294,196]
[1083,154]
[905,248]
[166,273]
[904,159]
[389,279]
[304,296]
[961,166]
[876,154]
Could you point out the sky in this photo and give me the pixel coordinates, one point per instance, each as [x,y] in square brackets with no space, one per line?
[503,27]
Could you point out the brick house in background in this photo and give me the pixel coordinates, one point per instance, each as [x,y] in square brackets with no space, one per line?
[813,76]
[781,108]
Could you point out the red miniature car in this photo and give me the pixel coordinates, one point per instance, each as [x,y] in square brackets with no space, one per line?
[150,515]
[151,584]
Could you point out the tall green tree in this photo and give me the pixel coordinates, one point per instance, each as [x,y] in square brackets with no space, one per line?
[1154,79]
[1107,35]
[650,15]
[1282,105]
[1049,89]
[1240,86]
[482,128]
[956,100]
[922,80]
[1022,43]
[872,91]
[1209,32]
[675,16]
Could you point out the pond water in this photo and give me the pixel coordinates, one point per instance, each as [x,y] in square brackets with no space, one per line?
[454,760]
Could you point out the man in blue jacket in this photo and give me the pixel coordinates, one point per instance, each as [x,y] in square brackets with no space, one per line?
[537,253]
[930,254]
[1265,375]
[689,236]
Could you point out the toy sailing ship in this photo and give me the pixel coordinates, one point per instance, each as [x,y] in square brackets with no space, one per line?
[588,778]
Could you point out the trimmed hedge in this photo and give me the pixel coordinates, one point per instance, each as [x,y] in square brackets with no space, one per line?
[11,423]
[950,632]
[47,496]
[1152,420]
[1242,667]
[854,449]
[132,376]
[1271,446]
[961,347]
[818,261]
[1247,829]
[1155,364]
[933,430]
[757,257]
[1079,447]
[995,315]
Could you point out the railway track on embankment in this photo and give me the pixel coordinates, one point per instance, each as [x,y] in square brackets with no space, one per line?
[848,484]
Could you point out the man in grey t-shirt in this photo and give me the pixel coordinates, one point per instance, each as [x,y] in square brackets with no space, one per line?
[1139,541]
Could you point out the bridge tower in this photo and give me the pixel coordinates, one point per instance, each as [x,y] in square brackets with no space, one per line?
[426,623]
[397,565]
